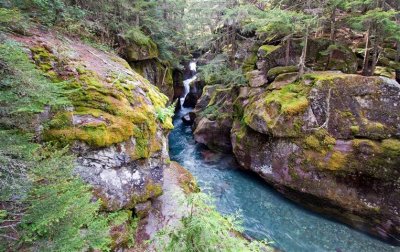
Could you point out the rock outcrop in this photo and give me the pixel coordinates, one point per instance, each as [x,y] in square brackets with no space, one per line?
[158,73]
[112,125]
[330,142]
[214,118]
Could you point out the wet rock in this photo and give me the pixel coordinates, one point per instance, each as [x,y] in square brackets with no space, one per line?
[191,100]
[196,90]
[214,134]
[189,118]
[135,52]
[276,71]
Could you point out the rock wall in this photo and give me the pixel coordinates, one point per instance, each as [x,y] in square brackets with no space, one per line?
[328,140]
[331,143]
[157,73]
[112,125]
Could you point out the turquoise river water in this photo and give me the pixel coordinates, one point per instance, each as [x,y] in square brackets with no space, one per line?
[266,213]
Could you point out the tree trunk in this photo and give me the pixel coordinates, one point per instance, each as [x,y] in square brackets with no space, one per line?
[302,63]
[375,55]
[288,42]
[137,21]
[233,44]
[332,37]
[366,53]
[165,12]
[397,61]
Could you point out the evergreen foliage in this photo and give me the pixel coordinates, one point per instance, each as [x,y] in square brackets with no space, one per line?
[217,71]
[24,89]
[205,229]
[61,215]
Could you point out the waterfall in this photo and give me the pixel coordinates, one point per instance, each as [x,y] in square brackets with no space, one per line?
[187,82]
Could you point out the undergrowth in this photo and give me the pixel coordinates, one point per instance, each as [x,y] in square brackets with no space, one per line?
[205,229]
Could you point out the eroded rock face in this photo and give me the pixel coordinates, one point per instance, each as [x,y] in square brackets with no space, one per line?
[120,181]
[111,123]
[330,142]
[214,118]
[157,73]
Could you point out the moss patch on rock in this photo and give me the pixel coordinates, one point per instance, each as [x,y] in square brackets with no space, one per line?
[105,111]
[267,49]
[276,71]
[292,98]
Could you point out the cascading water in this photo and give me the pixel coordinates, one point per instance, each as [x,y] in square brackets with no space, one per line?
[187,82]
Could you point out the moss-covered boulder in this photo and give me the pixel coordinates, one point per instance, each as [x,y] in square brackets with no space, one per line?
[270,56]
[113,124]
[329,141]
[276,71]
[137,46]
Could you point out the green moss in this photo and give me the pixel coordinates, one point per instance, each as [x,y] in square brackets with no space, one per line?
[323,76]
[114,112]
[152,190]
[140,46]
[312,142]
[267,49]
[329,141]
[281,70]
[391,147]
[291,98]
[355,129]
[113,106]
[45,61]
[347,114]
[384,71]
[374,130]
[249,63]
[358,144]
[337,161]
[61,120]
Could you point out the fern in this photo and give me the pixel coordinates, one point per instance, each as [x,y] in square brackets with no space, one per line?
[163,113]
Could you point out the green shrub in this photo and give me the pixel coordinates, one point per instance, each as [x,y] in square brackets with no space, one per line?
[9,16]
[135,35]
[62,215]
[204,229]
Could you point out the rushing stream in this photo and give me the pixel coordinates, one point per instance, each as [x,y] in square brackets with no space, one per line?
[266,213]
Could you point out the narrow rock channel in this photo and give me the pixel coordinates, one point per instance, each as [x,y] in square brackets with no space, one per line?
[266,214]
